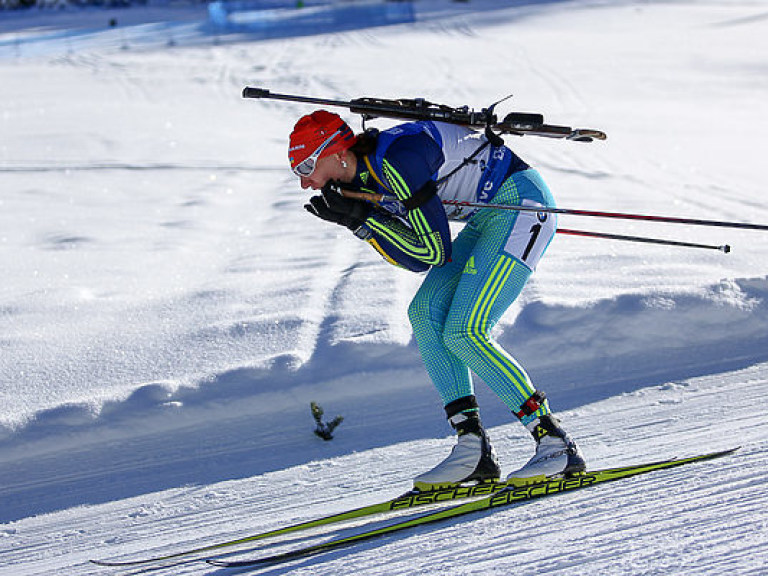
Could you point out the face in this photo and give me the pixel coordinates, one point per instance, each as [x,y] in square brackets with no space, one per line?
[327,168]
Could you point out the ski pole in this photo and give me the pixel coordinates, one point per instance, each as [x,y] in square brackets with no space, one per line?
[724,248]
[621,215]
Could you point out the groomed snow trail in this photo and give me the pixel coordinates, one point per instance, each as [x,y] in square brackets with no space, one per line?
[708,518]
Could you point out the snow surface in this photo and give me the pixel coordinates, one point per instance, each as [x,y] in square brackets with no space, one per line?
[168,310]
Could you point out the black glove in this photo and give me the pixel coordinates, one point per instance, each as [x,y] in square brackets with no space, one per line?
[333,207]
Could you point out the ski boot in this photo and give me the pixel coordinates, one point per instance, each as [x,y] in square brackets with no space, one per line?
[557,455]
[471,460]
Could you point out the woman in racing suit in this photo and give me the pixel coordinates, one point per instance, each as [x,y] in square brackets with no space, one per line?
[389,188]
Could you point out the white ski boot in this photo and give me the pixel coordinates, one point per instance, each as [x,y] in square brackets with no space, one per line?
[557,455]
[471,460]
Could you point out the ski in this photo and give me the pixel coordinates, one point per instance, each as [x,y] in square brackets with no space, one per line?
[410,499]
[503,497]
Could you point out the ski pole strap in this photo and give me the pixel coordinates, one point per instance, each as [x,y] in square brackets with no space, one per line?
[417,199]
[421,196]
[533,404]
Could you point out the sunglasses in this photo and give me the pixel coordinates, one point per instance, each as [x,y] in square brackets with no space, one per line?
[307,167]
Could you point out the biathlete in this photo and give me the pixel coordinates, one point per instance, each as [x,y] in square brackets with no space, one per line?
[387,188]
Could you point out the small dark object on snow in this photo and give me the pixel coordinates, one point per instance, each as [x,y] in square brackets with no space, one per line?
[324,430]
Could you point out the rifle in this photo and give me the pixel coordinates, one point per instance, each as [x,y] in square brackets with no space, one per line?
[515,123]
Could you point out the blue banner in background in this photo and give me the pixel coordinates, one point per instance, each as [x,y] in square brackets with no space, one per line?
[273,18]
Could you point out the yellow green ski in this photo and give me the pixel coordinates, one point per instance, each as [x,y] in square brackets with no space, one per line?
[408,500]
[503,497]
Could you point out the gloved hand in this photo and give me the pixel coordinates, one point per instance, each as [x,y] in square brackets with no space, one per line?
[330,205]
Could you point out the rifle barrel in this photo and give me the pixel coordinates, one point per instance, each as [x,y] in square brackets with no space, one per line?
[250,92]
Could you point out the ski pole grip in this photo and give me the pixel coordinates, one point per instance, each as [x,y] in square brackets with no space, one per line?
[249,92]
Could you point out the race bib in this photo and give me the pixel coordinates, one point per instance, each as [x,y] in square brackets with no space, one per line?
[531,234]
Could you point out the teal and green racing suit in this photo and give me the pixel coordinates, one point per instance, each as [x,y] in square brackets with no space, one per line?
[473,279]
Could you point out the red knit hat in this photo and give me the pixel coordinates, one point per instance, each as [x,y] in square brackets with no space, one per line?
[313,130]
